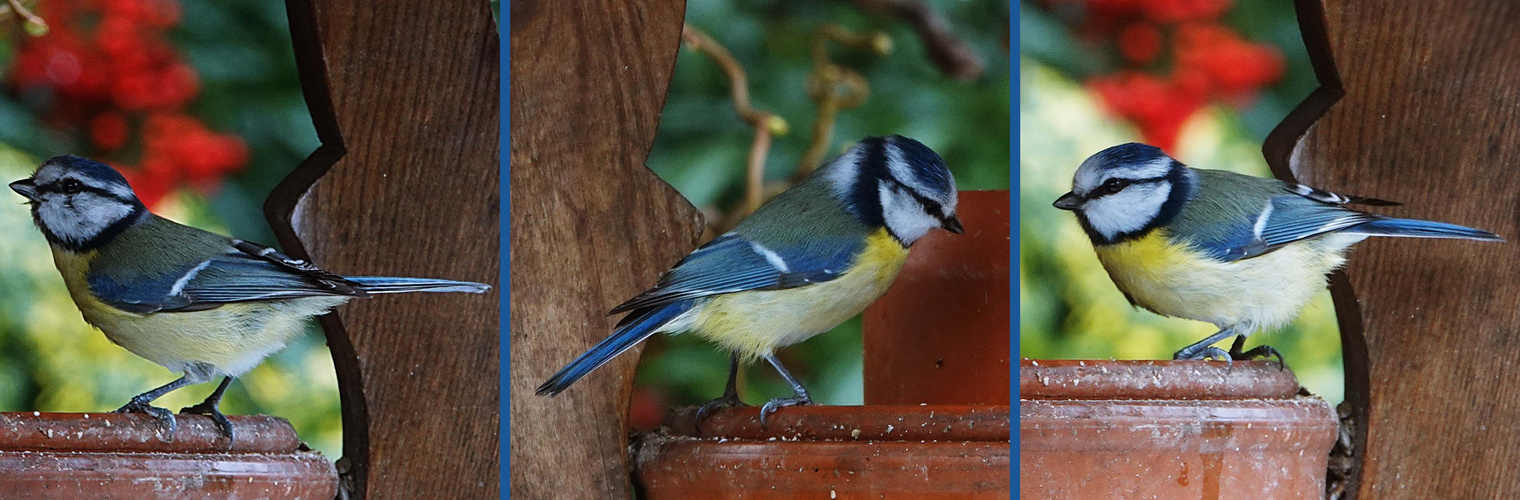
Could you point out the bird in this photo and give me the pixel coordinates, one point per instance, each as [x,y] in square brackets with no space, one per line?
[812,257]
[198,303]
[1241,252]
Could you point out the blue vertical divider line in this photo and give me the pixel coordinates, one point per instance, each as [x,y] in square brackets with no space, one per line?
[1013,247]
[504,278]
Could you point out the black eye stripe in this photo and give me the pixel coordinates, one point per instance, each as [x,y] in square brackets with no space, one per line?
[932,206]
[54,187]
[1100,192]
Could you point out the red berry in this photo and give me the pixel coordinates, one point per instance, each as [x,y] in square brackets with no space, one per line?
[108,130]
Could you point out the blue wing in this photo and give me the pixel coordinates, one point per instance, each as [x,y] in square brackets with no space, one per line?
[1292,217]
[246,272]
[732,263]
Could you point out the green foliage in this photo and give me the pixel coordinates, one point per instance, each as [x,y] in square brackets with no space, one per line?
[702,146]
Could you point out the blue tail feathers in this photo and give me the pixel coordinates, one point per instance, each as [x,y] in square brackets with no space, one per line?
[1414,228]
[630,331]
[388,284]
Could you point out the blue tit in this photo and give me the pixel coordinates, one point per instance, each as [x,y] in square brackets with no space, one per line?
[1241,252]
[193,301]
[806,261]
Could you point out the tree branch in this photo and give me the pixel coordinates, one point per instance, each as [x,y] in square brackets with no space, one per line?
[949,53]
[765,123]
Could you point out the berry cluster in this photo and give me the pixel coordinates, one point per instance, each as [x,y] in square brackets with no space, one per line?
[105,71]
[1176,57]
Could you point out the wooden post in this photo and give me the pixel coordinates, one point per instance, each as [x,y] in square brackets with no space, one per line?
[405,99]
[1419,104]
[591,226]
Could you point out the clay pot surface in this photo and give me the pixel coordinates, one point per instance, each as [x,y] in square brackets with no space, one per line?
[941,333]
[110,455]
[1169,429]
[830,452]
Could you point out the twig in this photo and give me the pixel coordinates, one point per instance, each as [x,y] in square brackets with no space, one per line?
[34,24]
[765,123]
[949,53]
[874,42]
[835,87]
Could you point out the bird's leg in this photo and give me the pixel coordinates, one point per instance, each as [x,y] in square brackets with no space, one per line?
[799,393]
[211,407]
[730,393]
[1261,351]
[140,403]
[1205,350]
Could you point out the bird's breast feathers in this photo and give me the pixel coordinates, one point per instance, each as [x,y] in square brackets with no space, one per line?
[757,322]
[1172,278]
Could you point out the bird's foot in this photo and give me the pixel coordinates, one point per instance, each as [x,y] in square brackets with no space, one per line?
[1203,353]
[164,416]
[1261,352]
[216,415]
[778,403]
[727,401]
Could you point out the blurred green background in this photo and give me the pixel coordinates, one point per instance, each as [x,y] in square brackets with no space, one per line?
[702,146]
[1068,306]
[240,50]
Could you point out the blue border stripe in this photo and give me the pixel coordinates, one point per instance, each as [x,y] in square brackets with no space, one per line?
[1013,248]
[503,29]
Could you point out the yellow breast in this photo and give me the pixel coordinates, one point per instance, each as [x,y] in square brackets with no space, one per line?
[1171,278]
[755,323]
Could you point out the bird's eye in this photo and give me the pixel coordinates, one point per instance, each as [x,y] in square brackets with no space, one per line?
[70,186]
[1114,185]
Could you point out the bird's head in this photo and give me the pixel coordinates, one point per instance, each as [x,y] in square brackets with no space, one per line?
[79,203]
[897,183]
[1127,190]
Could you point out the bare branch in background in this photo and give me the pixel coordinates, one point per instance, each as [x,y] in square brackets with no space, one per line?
[949,53]
[32,23]
[834,87]
[765,123]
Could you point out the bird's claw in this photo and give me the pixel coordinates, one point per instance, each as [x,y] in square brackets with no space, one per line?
[163,415]
[216,416]
[1261,352]
[778,403]
[1204,354]
[727,401]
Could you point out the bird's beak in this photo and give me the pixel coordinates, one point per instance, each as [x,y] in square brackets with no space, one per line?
[1068,201]
[26,188]
[953,225]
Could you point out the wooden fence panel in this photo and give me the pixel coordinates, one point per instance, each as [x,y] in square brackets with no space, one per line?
[405,98]
[1420,104]
[591,226]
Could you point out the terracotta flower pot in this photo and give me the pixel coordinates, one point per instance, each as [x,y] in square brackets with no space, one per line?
[110,455]
[940,334]
[1165,429]
[936,423]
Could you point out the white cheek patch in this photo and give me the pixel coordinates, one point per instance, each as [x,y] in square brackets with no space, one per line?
[1128,210]
[904,216]
[84,219]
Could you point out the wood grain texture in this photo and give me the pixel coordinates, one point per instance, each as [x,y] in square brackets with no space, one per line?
[1420,104]
[591,226]
[405,99]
